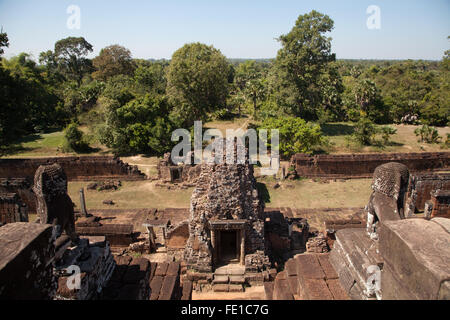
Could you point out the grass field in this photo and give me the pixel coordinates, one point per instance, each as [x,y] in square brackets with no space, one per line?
[132,195]
[339,135]
[295,194]
[48,145]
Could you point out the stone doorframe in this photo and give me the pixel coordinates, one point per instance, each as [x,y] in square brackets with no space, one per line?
[216,226]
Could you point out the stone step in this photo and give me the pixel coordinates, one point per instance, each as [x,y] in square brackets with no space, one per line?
[235,288]
[228,288]
[237,279]
[220,288]
[220,279]
[230,270]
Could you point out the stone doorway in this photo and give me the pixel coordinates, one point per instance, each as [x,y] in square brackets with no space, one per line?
[228,249]
[228,242]
[175,174]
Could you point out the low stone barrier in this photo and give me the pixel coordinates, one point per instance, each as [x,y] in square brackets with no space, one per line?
[76,168]
[363,165]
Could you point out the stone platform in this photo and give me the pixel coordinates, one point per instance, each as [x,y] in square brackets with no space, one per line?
[306,277]
[416,255]
[352,255]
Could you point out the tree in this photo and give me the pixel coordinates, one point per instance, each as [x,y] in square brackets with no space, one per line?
[151,76]
[29,99]
[296,135]
[4,41]
[300,63]
[250,80]
[197,81]
[113,60]
[140,126]
[71,54]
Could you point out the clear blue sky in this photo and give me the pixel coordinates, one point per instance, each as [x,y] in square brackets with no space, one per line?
[410,29]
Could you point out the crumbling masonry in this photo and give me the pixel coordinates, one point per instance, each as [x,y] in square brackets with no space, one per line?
[226,217]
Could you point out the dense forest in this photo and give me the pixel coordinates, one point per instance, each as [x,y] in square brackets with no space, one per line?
[133,105]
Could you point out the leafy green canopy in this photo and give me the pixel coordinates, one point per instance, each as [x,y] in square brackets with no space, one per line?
[139,126]
[296,135]
[301,64]
[197,81]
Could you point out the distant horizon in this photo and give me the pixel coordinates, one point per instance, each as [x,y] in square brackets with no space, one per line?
[406,29]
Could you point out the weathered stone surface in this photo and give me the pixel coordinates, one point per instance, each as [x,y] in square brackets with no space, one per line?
[268,290]
[235,288]
[221,288]
[226,193]
[76,168]
[281,290]
[237,279]
[12,209]
[387,202]
[187,290]
[336,289]
[26,268]
[363,165]
[96,265]
[353,253]
[130,280]
[220,279]
[53,203]
[308,267]
[326,266]
[315,289]
[422,184]
[317,244]
[155,287]
[161,269]
[417,253]
[173,269]
[24,189]
[441,204]
[168,289]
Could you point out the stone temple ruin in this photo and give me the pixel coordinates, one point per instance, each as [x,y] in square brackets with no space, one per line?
[397,247]
[226,218]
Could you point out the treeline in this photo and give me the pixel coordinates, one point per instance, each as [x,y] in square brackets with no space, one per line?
[134,105]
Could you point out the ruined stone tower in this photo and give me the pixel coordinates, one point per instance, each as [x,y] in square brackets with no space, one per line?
[226,216]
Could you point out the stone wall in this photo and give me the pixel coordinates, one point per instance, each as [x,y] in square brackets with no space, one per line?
[440,200]
[421,186]
[23,188]
[168,172]
[26,267]
[76,168]
[363,165]
[12,209]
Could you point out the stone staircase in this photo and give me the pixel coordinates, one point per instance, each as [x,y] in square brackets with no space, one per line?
[230,278]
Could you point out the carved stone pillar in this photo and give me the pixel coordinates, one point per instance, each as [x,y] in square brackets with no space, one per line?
[242,255]
[214,247]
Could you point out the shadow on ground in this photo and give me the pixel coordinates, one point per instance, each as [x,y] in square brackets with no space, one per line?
[337,129]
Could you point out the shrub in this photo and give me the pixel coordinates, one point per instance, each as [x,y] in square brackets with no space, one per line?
[365,131]
[386,133]
[296,135]
[427,134]
[74,139]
